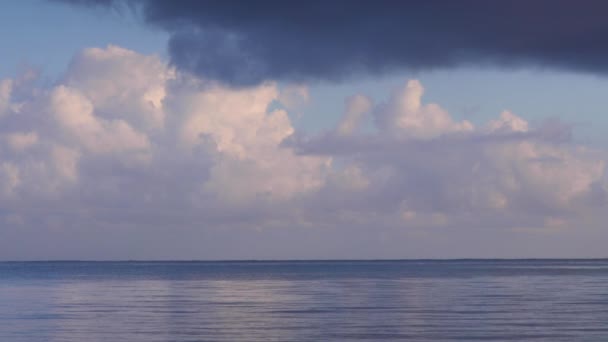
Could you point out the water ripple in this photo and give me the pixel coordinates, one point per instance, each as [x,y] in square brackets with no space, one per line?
[464,300]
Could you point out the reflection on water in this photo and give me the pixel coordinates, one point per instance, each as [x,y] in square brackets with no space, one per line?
[305,301]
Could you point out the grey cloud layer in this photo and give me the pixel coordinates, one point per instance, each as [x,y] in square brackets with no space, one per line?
[126,157]
[245,43]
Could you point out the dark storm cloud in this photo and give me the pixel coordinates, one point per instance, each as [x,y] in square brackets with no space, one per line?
[247,42]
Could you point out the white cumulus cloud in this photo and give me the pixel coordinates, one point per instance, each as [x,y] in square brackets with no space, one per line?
[123,145]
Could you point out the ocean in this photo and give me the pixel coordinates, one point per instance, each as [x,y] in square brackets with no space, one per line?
[409,300]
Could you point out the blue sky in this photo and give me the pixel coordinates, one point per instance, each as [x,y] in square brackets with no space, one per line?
[115,152]
[46,35]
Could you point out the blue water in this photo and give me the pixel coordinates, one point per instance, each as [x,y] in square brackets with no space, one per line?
[465,300]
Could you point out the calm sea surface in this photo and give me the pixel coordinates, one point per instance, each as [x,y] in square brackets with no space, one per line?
[468,300]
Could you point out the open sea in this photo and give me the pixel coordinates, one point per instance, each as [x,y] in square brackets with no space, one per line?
[417,300]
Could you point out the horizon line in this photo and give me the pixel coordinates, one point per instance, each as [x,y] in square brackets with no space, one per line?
[298,260]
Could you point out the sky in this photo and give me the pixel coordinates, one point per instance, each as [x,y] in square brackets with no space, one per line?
[209,130]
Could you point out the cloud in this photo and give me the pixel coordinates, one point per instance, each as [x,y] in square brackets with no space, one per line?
[6,87]
[294,96]
[357,107]
[121,84]
[10,177]
[317,40]
[405,115]
[438,172]
[126,157]
[21,141]
[117,117]
[74,115]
